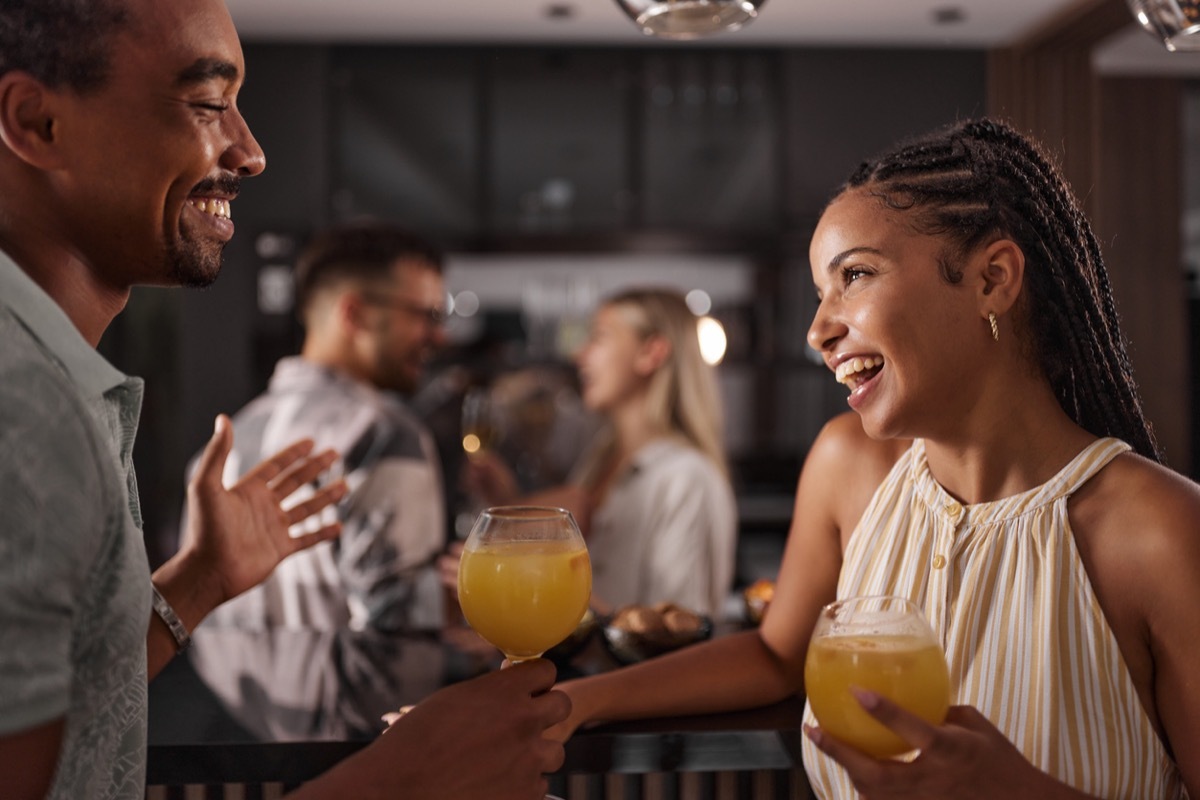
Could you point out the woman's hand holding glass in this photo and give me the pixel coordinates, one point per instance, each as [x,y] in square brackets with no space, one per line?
[965,756]
[878,684]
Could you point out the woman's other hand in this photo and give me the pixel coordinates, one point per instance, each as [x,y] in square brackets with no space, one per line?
[447,565]
[486,476]
[967,756]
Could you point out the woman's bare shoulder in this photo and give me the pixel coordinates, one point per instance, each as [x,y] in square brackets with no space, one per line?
[843,445]
[845,466]
[1140,520]
[1132,490]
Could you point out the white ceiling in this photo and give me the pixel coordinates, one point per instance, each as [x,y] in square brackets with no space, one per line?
[882,23]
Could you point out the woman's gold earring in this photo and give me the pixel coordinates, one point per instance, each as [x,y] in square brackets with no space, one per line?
[995,327]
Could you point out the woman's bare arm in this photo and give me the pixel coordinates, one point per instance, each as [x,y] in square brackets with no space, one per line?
[1143,556]
[765,665]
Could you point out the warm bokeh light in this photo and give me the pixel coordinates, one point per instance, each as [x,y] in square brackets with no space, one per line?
[712,340]
[471,443]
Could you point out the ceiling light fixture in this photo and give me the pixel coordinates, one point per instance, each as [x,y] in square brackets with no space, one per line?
[559,11]
[689,19]
[1175,22]
[949,15]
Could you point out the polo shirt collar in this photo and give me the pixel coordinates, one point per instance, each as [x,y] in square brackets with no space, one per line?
[54,329]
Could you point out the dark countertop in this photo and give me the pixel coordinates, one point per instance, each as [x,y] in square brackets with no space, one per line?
[285,705]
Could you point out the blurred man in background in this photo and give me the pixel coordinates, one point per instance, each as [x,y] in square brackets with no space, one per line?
[372,302]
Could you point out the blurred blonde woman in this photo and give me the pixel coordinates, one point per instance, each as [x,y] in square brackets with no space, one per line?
[652,493]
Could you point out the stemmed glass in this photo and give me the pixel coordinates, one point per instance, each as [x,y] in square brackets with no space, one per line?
[480,431]
[885,645]
[480,421]
[525,578]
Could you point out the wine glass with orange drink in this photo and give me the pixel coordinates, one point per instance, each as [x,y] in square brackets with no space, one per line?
[885,645]
[524,579]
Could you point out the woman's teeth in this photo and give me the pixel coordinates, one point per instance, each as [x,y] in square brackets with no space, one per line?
[847,370]
[214,206]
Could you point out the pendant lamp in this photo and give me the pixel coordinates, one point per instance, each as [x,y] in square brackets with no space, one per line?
[1175,22]
[689,19]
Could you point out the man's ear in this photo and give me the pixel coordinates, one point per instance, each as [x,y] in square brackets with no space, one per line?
[1002,275]
[652,354]
[28,111]
[350,312]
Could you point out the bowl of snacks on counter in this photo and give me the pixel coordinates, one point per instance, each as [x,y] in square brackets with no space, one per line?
[568,648]
[757,597]
[637,632]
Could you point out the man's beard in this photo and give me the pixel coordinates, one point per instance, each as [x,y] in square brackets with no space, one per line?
[391,374]
[195,265]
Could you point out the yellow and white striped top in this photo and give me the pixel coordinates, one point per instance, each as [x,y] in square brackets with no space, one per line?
[1004,588]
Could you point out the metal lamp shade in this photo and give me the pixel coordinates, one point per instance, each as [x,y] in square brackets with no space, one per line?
[1175,22]
[689,19]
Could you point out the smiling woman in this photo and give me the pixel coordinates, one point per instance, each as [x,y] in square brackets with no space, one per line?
[986,476]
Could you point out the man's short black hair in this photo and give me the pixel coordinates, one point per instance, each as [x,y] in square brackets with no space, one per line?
[62,43]
[364,252]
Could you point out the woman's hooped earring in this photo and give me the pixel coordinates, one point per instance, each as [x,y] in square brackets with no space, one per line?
[995,327]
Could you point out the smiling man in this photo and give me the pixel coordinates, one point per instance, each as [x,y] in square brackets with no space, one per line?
[121,150]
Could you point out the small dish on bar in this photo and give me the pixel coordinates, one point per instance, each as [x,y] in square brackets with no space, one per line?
[636,633]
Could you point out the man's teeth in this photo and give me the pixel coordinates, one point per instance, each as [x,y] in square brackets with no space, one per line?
[214,206]
[848,369]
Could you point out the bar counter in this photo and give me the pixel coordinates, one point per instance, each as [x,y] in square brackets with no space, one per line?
[251,714]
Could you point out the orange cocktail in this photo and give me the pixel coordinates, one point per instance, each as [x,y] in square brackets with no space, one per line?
[882,644]
[524,596]
[908,670]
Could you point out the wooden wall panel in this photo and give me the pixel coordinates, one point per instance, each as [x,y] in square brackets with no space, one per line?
[1137,217]
[1118,141]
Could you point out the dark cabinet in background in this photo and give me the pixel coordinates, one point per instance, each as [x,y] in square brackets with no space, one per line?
[487,145]
[709,138]
[406,138]
[557,147]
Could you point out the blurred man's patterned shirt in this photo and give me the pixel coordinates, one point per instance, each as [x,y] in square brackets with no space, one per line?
[379,573]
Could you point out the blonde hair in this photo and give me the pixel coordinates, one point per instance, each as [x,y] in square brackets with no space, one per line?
[683,399]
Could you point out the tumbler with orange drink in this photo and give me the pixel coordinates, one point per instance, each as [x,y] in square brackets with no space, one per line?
[882,644]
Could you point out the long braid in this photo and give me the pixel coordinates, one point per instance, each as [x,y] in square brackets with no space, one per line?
[981,178]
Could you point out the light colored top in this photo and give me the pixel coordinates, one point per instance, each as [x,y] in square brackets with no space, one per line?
[666,531]
[1026,641]
[74,581]
[378,574]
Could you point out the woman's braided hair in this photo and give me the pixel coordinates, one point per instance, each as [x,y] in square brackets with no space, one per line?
[980,180]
